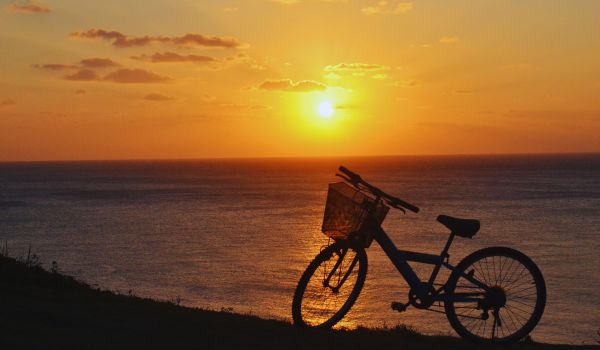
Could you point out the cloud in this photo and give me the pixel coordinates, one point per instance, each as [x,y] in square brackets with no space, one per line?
[291,2]
[54,66]
[98,63]
[406,83]
[449,40]
[291,86]
[127,76]
[239,106]
[121,40]
[355,68]
[28,7]
[157,97]
[7,102]
[85,63]
[123,75]
[376,71]
[83,75]
[386,7]
[286,2]
[345,106]
[380,76]
[174,57]
[206,41]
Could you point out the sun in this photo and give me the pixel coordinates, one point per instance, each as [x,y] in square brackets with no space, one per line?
[325,109]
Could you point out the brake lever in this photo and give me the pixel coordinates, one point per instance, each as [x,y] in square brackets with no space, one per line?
[394,205]
[345,178]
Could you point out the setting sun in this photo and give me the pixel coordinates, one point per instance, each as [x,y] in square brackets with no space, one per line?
[325,109]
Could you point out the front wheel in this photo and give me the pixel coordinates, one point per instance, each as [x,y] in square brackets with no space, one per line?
[329,286]
[507,308]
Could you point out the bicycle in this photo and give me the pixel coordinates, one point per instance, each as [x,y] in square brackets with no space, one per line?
[497,280]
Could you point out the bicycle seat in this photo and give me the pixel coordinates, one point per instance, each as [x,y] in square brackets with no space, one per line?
[460,227]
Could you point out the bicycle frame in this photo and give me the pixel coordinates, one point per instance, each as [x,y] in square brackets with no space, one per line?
[400,259]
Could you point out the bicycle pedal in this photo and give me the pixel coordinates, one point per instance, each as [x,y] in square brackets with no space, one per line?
[400,307]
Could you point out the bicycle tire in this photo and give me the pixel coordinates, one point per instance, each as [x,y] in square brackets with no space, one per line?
[514,294]
[309,274]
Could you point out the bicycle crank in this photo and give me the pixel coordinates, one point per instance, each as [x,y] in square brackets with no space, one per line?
[421,302]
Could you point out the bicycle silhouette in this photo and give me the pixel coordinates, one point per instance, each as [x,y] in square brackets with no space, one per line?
[499,281]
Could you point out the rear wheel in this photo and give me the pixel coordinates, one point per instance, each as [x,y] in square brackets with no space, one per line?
[329,286]
[511,305]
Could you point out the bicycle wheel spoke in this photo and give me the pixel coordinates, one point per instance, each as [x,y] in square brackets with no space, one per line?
[484,327]
[512,320]
[518,316]
[523,269]
[515,272]
[510,301]
[506,272]
[487,268]
[524,296]
[482,274]
[522,303]
[494,270]
[479,328]
[522,290]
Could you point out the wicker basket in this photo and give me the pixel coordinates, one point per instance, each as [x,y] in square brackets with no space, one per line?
[346,210]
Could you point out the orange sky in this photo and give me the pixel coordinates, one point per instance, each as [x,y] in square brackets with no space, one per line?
[245,78]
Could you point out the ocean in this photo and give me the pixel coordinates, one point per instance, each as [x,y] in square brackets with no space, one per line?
[239,233]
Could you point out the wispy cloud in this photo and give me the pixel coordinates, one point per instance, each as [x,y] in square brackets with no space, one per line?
[121,40]
[291,86]
[388,7]
[241,106]
[98,63]
[174,57]
[375,71]
[355,68]
[54,66]
[123,75]
[156,97]
[28,7]
[449,40]
[286,2]
[7,102]
[134,76]
[291,2]
[83,75]
[85,63]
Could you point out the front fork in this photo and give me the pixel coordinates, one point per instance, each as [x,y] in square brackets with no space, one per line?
[334,270]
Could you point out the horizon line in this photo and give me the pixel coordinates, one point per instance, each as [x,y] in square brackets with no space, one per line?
[302,157]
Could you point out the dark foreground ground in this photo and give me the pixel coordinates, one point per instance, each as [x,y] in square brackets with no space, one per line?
[47,310]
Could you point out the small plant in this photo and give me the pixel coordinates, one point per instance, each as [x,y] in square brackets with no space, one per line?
[54,267]
[31,260]
[528,339]
[175,301]
[405,330]
[4,250]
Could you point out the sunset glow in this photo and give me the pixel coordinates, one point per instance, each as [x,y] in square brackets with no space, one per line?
[266,78]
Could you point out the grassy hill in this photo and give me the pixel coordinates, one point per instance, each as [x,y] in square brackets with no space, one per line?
[42,309]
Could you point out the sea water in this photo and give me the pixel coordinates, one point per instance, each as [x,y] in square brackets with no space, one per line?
[239,233]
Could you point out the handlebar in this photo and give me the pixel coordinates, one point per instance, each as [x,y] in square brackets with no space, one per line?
[355,179]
